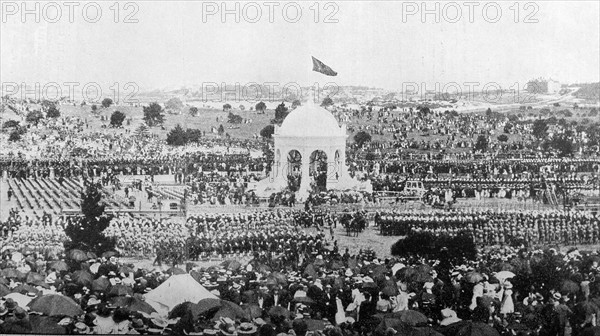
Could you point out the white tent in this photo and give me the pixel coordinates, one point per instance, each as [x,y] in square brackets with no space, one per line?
[177,289]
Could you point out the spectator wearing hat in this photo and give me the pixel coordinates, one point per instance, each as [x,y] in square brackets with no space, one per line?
[19,323]
[507,306]
[104,323]
[247,329]
[449,317]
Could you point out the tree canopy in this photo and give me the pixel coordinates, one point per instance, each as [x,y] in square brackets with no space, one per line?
[107,102]
[361,138]
[153,115]
[117,118]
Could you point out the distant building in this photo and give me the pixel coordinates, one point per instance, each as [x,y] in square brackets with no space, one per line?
[541,85]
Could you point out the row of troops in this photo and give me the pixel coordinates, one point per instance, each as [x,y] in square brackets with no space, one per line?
[500,227]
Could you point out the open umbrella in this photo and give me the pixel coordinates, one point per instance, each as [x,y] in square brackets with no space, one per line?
[55,305]
[503,275]
[410,317]
[183,308]
[278,311]
[4,290]
[336,265]
[473,277]
[19,298]
[59,265]
[82,277]
[206,305]
[585,308]
[468,328]
[314,325]
[125,269]
[304,300]
[232,265]
[34,277]
[46,325]
[77,255]
[24,289]
[590,331]
[253,310]
[175,271]
[231,310]
[91,255]
[100,284]
[281,278]
[12,273]
[120,290]
[390,290]
[132,303]
[569,286]
[109,254]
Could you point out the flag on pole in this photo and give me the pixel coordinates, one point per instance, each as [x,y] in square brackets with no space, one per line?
[319,66]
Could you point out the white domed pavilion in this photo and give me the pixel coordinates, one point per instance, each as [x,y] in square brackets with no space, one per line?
[310,148]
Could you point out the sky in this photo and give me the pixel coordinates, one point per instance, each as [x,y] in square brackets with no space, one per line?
[384,44]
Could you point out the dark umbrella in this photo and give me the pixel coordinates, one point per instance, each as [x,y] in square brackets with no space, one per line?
[304,300]
[91,255]
[82,277]
[183,308]
[55,305]
[231,310]
[405,273]
[4,281]
[253,310]
[310,271]
[336,265]
[590,331]
[473,277]
[4,290]
[314,325]
[410,317]
[46,325]
[278,311]
[281,278]
[585,308]
[77,255]
[208,305]
[24,289]
[468,328]
[233,265]
[390,291]
[12,273]
[33,277]
[125,269]
[133,304]
[100,284]
[109,254]
[59,265]
[175,271]
[569,286]
[120,290]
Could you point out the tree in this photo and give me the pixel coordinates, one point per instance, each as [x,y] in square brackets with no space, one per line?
[361,138]
[234,118]
[87,233]
[540,129]
[10,124]
[174,105]
[193,135]
[34,117]
[281,112]
[296,103]
[106,102]
[53,112]
[142,131]
[267,131]
[327,102]
[488,112]
[563,144]
[94,108]
[502,138]
[193,111]
[153,115]
[117,118]
[221,129]
[14,136]
[177,136]
[242,107]
[593,112]
[261,107]
[226,107]
[482,143]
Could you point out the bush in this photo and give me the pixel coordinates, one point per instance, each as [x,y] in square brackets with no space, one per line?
[34,117]
[53,112]
[11,124]
[153,115]
[14,136]
[361,138]
[502,138]
[177,136]
[106,102]
[267,131]
[234,118]
[116,119]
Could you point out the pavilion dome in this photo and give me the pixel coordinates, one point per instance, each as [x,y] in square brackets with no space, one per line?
[310,121]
